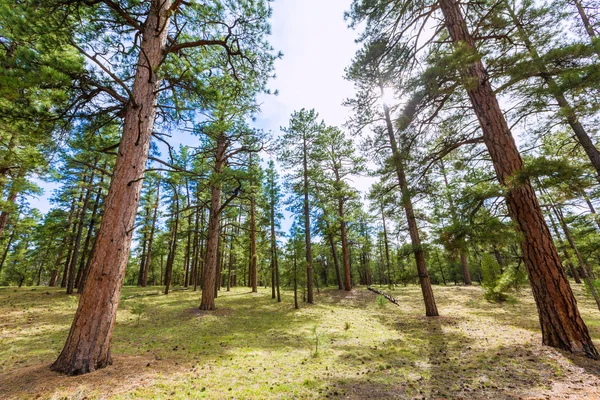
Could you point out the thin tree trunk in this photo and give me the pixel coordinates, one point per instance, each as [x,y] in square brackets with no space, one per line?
[7,250]
[591,207]
[309,261]
[563,246]
[562,325]
[581,134]
[424,278]
[588,26]
[195,250]
[188,247]
[212,242]
[88,344]
[336,262]
[345,252]
[584,268]
[144,281]
[88,238]
[82,213]
[143,255]
[217,285]
[387,247]
[173,244]
[295,280]
[463,256]
[253,255]
[12,197]
[71,245]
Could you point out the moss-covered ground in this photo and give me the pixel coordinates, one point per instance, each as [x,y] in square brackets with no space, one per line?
[255,348]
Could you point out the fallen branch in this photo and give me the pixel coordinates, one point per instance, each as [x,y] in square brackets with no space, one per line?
[387,296]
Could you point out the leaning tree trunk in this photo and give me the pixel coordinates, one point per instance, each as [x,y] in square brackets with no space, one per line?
[584,268]
[563,247]
[212,242]
[413,229]
[88,344]
[567,110]
[562,325]
[585,20]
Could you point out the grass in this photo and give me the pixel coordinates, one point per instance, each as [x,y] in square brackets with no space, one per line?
[253,347]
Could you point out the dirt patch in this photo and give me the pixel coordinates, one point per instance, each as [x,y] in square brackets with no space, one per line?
[126,374]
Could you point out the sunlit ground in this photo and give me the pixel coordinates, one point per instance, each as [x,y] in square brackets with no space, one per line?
[253,348]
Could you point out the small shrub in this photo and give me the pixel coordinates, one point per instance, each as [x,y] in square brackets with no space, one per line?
[316,335]
[381,302]
[347,325]
[497,284]
[138,309]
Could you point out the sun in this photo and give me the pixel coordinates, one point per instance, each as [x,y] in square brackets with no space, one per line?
[388,97]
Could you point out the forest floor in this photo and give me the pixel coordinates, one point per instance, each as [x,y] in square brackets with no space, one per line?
[255,348]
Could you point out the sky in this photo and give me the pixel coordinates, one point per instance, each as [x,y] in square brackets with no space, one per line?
[317,46]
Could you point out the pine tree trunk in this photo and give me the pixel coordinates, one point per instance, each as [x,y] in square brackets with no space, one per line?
[212,242]
[7,250]
[88,238]
[564,249]
[173,244]
[143,255]
[295,280]
[345,252]
[12,197]
[309,261]
[588,26]
[584,267]
[336,262]
[217,285]
[387,248]
[144,281]
[463,256]
[88,344]
[82,214]
[253,255]
[195,251]
[413,229]
[71,245]
[562,325]
[582,136]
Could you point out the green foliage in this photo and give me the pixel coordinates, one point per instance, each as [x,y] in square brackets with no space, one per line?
[138,309]
[496,282]
[586,286]
[316,337]
[381,301]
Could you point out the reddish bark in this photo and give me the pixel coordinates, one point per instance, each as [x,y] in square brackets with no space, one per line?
[562,325]
[88,344]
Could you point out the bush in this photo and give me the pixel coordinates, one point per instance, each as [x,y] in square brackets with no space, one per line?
[381,301]
[496,284]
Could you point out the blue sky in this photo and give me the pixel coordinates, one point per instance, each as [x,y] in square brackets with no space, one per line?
[317,46]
